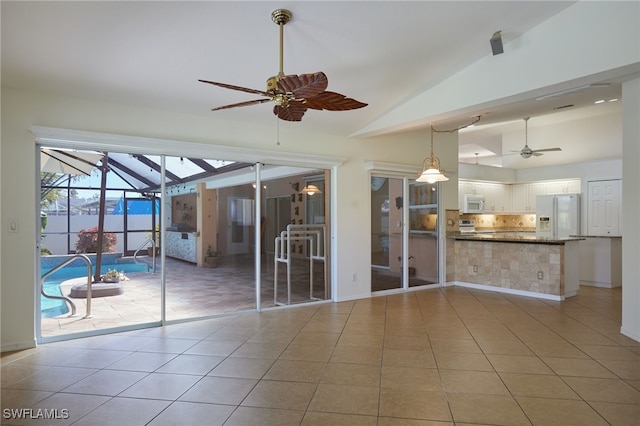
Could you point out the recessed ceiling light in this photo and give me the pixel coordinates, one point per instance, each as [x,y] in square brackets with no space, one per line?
[601,101]
[613,100]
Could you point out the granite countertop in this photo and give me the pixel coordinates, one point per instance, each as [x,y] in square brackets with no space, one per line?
[514,237]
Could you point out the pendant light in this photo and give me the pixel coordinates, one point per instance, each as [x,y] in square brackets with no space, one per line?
[310,189]
[431,170]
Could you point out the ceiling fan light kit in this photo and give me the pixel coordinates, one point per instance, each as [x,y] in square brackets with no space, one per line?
[293,94]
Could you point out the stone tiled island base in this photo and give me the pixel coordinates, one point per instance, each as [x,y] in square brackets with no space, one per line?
[537,269]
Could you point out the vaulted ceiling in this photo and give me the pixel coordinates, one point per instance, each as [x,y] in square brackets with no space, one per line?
[153,54]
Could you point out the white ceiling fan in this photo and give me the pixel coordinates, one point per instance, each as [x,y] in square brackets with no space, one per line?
[527,152]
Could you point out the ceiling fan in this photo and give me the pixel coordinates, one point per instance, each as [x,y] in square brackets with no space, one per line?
[293,94]
[527,152]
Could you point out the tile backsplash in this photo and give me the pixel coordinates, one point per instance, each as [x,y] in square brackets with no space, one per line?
[493,222]
[503,222]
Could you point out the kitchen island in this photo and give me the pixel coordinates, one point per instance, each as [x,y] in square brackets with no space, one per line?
[516,263]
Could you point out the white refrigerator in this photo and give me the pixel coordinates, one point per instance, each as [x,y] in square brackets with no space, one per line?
[558,215]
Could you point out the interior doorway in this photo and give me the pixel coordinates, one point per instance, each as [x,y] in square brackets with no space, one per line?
[278,216]
[240,220]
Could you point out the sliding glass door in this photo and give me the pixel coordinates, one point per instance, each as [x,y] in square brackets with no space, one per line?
[403,256]
[95,271]
[228,236]
[387,216]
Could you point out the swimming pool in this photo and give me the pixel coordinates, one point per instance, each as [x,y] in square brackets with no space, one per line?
[53,307]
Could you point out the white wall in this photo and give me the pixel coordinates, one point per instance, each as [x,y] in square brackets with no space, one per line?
[605,169]
[486,173]
[592,170]
[630,208]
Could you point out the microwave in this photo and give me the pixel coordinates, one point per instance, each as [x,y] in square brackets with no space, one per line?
[473,204]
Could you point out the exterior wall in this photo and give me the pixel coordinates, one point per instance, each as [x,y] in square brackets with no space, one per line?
[57,243]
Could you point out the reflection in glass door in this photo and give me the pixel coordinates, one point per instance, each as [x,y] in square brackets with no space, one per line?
[277,218]
[423,234]
[294,265]
[386,233]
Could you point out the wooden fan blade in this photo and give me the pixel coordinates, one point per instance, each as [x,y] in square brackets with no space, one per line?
[232,87]
[303,86]
[241,104]
[547,149]
[292,112]
[333,102]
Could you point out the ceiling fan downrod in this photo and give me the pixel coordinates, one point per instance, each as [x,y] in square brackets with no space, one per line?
[281,17]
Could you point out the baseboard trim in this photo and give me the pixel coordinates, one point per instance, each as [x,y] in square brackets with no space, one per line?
[353,297]
[507,290]
[630,334]
[18,346]
[600,284]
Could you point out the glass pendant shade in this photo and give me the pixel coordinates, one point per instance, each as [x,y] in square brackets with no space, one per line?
[431,170]
[310,189]
[432,175]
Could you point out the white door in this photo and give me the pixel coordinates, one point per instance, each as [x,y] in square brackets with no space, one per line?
[603,207]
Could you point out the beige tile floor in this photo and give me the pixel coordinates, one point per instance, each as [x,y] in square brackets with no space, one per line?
[428,357]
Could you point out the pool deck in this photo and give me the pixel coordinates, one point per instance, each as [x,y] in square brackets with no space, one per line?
[191,292]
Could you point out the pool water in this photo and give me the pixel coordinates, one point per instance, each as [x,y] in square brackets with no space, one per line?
[53,307]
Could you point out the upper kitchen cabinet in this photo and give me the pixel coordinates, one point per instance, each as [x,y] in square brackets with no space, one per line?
[524,196]
[497,196]
[570,186]
[517,197]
